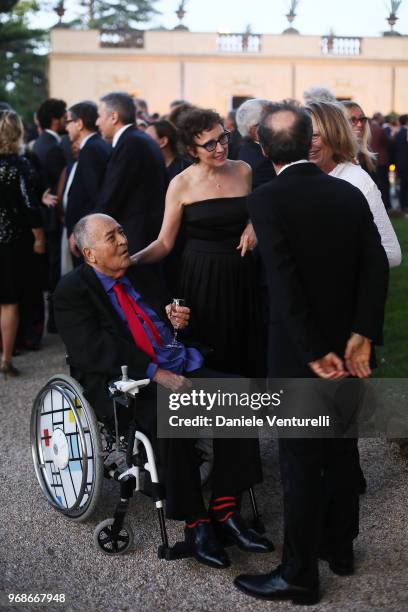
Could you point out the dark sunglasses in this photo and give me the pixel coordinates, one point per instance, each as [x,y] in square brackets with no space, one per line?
[211,145]
[356,120]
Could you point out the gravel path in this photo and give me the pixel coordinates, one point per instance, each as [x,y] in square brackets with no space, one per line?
[43,552]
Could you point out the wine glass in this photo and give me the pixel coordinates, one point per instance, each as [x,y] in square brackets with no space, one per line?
[174,343]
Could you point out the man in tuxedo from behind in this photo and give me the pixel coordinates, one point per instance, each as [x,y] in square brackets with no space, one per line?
[86,176]
[91,307]
[327,277]
[135,183]
[51,120]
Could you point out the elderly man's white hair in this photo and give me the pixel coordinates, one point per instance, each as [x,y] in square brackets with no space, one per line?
[319,93]
[249,114]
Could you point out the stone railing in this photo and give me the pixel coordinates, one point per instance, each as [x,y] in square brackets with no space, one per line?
[122,39]
[239,43]
[341,45]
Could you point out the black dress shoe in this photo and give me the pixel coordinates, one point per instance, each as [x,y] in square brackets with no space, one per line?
[205,546]
[235,530]
[273,587]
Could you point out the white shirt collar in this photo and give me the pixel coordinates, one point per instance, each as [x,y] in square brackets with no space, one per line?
[119,134]
[56,136]
[299,161]
[85,140]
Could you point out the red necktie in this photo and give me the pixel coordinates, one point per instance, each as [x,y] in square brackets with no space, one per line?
[131,309]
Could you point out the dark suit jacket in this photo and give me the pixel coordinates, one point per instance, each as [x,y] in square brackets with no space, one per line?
[98,343]
[326,269]
[52,160]
[262,169]
[134,188]
[91,168]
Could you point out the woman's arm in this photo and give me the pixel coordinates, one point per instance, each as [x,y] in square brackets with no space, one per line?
[389,239]
[39,240]
[248,240]
[173,212]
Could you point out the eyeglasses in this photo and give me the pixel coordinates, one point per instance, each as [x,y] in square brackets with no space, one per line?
[356,120]
[70,121]
[211,145]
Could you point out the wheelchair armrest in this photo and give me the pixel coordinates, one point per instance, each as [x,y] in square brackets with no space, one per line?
[130,387]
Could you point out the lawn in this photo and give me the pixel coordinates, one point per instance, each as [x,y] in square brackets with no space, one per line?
[394,355]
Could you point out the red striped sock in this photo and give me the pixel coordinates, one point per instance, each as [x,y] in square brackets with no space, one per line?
[191,524]
[222,508]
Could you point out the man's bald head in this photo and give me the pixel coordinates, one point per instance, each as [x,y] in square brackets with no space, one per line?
[103,244]
[281,121]
[87,227]
[285,133]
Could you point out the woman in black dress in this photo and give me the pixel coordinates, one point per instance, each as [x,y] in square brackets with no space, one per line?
[20,229]
[217,276]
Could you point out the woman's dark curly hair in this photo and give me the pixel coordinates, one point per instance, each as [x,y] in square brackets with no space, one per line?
[193,122]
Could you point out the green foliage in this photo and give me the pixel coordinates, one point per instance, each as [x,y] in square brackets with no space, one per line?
[394,355]
[23,82]
[116,14]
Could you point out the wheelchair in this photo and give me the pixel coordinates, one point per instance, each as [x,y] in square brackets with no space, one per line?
[72,452]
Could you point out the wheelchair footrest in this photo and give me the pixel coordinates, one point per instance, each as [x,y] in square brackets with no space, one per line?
[180,550]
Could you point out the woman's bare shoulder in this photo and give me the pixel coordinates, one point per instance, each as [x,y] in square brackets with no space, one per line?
[237,165]
[181,184]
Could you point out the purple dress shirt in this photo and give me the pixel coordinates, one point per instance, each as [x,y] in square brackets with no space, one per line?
[178,360]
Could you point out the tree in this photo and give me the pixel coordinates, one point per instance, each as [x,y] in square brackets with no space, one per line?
[23,81]
[111,15]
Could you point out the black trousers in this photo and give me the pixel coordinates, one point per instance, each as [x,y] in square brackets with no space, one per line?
[321,506]
[237,464]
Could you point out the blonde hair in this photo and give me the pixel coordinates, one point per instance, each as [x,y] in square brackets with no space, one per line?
[11,132]
[335,129]
[365,156]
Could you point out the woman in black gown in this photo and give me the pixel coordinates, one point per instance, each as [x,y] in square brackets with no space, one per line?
[217,277]
[20,230]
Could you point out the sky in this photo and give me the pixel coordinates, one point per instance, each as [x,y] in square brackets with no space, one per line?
[344,17]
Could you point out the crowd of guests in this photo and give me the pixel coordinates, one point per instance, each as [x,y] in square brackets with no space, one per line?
[183,199]
[118,159]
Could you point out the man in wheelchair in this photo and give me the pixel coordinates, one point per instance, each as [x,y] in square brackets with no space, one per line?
[109,314]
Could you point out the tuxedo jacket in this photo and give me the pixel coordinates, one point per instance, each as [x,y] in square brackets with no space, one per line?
[262,169]
[327,272]
[134,187]
[52,160]
[83,194]
[98,342]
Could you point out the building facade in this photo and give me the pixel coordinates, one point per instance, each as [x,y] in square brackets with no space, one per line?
[219,70]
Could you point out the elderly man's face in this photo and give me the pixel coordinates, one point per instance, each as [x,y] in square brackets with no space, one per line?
[108,252]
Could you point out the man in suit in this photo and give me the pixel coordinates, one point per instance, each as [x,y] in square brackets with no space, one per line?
[51,120]
[248,117]
[401,161]
[86,176]
[108,315]
[135,182]
[327,276]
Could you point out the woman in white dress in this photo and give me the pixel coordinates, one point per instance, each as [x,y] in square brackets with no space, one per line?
[334,148]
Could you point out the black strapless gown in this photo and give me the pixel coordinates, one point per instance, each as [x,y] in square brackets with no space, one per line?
[221,287]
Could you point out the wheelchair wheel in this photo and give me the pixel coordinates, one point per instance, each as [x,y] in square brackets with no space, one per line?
[107,544]
[66,448]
